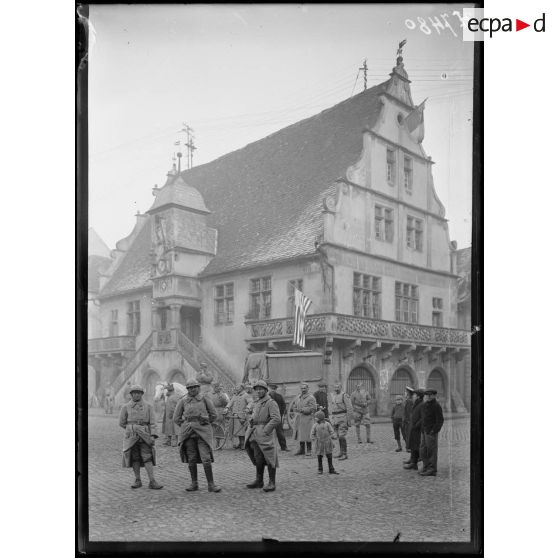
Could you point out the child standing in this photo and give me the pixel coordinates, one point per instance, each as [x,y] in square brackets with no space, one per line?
[322,435]
[397,414]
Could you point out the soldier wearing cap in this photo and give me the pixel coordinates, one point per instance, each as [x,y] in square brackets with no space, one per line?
[360,399]
[321,398]
[415,427]
[194,414]
[138,450]
[261,443]
[239,406]
[304,407]
[432,421]
[170,430]
[407,409]
[341,412]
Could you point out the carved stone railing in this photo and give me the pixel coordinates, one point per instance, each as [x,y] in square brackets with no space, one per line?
[355,326]
[194,355]
[131,366]
[121,343]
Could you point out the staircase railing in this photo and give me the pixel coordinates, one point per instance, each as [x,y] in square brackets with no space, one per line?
[194,355]
[139,356]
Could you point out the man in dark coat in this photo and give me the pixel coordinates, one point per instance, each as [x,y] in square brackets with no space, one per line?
[278,398]
[432,421]
[321,398]
[415,427]
[408,407]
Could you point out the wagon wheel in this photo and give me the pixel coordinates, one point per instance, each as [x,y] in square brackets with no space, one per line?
[291,415]
[218,436]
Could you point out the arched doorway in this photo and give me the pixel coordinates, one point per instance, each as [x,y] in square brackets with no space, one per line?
[151,380]
[436,381]
[178,377]
[401,378]
[363,374]
[190,323]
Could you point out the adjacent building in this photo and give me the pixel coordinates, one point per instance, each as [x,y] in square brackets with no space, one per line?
[342,206]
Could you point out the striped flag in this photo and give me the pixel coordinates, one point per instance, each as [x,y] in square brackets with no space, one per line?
[302,304]
[415,121]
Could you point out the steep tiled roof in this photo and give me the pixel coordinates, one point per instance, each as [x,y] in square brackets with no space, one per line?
[134,269]
[266,198]
[95,266]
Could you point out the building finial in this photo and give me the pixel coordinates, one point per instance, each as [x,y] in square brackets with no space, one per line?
[179,155]
[399,59]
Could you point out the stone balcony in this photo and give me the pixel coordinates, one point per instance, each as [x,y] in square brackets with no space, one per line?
[354,327]
[107,345]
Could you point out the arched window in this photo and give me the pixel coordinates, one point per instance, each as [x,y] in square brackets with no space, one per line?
[399,380]
[436,381]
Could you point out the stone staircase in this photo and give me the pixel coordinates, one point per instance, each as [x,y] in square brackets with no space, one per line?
[195,355]
[191,352]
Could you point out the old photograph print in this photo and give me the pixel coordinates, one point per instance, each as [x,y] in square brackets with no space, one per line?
[279,287]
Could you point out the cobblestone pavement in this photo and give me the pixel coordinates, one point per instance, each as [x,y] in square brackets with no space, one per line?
[372,499]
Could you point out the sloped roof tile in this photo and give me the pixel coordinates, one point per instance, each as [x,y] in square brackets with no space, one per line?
[266,198]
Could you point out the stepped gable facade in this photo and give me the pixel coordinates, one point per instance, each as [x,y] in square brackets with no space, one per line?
[341,206]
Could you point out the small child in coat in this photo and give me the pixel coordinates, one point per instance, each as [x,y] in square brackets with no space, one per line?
[322,435]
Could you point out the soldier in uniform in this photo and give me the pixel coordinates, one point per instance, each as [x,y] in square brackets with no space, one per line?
[432,421]
[220,400]
[415,427]
[170,430]
[238,406]
[407,415]
[321,398]
[341,411]
[194,414]
[360,399]
[261,443]
[304,406]
[278,398]
[138,420]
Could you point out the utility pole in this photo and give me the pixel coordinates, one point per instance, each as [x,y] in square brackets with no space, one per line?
[364,68]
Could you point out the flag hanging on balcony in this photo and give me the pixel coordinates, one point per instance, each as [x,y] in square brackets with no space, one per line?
[302,304]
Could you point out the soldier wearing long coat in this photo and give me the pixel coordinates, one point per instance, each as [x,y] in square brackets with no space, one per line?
[194,414]
[170,429]
[304,406]
[432,421]
[238,408]
[415,426]
[137,417]
[261,439]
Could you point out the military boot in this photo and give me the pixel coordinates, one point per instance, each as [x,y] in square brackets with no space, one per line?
[357,428]
[241,442]
[137,484]
[368,440]
[258,483]
[332,470]
[194,476]
[301,449]
[270,487]
[343,446]
[211,486]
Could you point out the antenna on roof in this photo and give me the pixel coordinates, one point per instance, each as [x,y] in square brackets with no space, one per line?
[190,147]
[364,68]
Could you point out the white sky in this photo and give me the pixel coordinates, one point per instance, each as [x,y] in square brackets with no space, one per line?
[239,73]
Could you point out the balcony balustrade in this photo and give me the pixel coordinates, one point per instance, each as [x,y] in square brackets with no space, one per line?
[119,344]
[341,325]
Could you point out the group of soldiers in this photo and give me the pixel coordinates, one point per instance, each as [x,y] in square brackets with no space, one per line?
[256,423]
